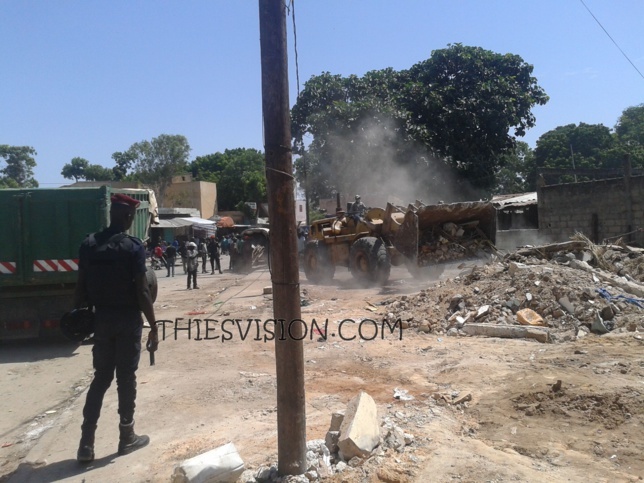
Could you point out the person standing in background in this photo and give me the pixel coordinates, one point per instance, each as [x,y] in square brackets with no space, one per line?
[192,264]
[170,256]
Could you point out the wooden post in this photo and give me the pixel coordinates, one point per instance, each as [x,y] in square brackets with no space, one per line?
[628,197]
[289,351]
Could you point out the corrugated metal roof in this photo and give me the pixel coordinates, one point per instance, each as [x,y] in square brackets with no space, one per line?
[515,200]
[172,223]
[197,221]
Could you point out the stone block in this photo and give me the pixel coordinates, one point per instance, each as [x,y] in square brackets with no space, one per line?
[507,331]
[336,420]
[331,440]
[359,432]
[222,464]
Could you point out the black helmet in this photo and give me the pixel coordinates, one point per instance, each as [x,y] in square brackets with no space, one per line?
[78,324]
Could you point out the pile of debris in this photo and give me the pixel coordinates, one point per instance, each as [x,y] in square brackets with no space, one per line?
[357,443]
[451,241]
[551,293]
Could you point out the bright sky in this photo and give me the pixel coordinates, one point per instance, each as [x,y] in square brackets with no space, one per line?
[88,78]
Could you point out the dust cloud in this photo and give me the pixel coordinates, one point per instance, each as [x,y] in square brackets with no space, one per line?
[391,169]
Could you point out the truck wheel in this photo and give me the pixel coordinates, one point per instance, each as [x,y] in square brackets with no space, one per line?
[318,266]
[152,284]
[369,261]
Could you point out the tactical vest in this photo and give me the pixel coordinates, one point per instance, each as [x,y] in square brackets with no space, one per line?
[110,272]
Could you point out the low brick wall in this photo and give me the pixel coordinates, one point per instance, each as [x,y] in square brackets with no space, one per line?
[598,209]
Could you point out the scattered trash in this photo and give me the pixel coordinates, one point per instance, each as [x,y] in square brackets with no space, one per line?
[196,313]
[598,326]
[611,298]
[529,317]
[402,394]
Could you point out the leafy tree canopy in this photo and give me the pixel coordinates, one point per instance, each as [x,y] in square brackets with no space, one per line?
[630,126]
[154,163]
[456,109]
[75,170]
[239,174]
[19,169]
[582,145]
[517,172]
[629,133]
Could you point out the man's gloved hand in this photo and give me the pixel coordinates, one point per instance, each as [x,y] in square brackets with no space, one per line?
[152,344]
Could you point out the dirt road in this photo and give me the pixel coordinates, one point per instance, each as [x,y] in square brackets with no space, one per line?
[203,393]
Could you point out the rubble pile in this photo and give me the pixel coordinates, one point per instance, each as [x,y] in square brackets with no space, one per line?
[357,445]
[552,293]
[451,242]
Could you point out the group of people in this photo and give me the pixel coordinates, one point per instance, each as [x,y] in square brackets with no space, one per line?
[196,253]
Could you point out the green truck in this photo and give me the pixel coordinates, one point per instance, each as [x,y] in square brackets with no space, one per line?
[40,233]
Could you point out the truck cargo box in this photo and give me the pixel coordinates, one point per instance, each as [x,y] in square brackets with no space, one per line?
[42,230]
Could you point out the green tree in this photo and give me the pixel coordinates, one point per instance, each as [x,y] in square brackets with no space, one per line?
[75,170]
[19,169]
[629,133]
[124,162]
[578,146]
[239,174]
[156,162]
[466,102]
[630,125]
[80,168]
[517,173]
[455,111]
[96,172]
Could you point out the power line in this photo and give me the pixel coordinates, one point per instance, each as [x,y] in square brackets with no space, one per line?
[291,4]
[609,36]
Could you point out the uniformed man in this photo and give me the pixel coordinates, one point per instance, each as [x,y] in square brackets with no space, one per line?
[111,278]
[358,208]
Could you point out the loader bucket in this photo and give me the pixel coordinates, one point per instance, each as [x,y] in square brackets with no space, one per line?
[419,220]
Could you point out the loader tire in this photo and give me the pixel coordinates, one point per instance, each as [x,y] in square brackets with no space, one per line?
[318,266]
[369,261]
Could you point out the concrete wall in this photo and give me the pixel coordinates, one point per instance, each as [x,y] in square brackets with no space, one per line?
[193,194]
[598,209]
[510,240]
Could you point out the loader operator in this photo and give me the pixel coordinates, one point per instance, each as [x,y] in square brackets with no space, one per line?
[357,209]
[111,278]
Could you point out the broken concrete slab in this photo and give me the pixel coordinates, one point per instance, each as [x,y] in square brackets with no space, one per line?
[222,465]
[360,431]
[514,267]
[331,440]
[567,305]
[507,331]
[336,420]
[598,326]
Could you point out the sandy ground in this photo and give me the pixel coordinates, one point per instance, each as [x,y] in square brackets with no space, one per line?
[203,393]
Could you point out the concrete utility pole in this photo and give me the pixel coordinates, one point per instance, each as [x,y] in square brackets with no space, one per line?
[289,351]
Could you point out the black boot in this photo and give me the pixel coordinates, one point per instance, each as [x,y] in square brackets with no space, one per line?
[129,441]
[85,452]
